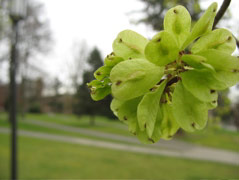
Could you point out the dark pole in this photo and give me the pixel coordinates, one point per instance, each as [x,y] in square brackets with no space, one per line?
[13,97]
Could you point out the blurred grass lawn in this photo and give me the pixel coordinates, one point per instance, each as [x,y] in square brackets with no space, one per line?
[210,136]
[214,137]
[47,159]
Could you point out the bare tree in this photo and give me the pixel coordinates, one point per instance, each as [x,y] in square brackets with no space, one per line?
[34,39]
[78,64]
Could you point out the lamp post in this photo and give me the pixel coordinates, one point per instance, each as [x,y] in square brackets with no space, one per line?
[17,13]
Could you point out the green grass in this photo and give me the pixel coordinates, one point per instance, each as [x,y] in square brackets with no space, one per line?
[32,127]
[22,125]
[103,124]
[211,137]
[43,159]
[214,137]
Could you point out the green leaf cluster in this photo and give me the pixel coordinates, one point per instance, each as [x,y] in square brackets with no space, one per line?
[170,81]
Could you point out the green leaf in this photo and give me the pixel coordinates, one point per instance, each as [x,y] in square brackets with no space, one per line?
[132,125]
[198,84]
[157,131]
[99,89]
[129,44]
[162,49]
[126,111]
[220,60]
[188,111]
[220,39]
[212,105]
[143,137]
[100,93]
[102,72]
[115,105]
[203,25]
[133,78]
[227,78]
[197,62]
[168,124]
[178,22]
[219,79]
[95,84]
[148,108]
[112,60]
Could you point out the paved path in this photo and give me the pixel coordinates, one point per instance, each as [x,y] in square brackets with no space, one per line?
[172,144]
[206,154]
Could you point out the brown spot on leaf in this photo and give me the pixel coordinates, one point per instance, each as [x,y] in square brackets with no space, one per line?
[153,89]
[118,83]
[150,139]
[193,124]
[125,118]
[163,101]
[145,125]
[98,73]
[229,38]
[92,92]
[159,39]
[175,11]
[120,40]
[212,91]
[181,53]
[160,81]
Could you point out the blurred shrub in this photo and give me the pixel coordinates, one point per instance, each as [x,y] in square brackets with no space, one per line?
[35,108]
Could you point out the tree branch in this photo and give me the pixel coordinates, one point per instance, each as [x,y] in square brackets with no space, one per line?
[221,12]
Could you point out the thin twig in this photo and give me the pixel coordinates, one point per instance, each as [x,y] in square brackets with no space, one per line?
[221,12]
